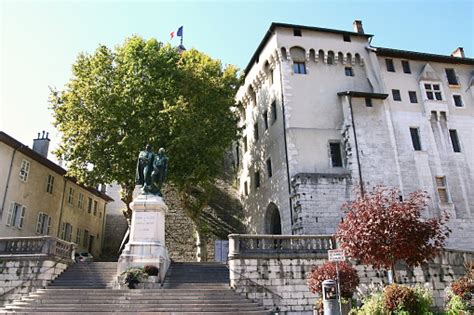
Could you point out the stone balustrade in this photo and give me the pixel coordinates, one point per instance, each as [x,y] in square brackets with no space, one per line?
[36,245]
[251,245]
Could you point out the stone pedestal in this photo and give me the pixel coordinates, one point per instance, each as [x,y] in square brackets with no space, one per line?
[146,245]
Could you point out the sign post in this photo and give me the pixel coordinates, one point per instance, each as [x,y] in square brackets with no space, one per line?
[337,255]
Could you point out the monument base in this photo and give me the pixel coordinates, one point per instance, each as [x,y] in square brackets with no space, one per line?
[147,236]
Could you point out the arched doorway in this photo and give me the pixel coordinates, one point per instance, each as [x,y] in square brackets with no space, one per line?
[272,220]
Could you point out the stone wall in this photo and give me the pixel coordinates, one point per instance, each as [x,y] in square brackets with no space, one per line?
[278,280]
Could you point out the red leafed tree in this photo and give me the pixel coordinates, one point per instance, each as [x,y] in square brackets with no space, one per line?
[380,229]
[348,277]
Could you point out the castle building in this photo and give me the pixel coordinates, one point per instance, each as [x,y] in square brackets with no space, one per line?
[324,113]
[37,198]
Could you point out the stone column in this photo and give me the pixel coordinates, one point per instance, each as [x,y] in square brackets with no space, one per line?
[146,245]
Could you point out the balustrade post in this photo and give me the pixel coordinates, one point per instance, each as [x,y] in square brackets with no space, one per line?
[234,245]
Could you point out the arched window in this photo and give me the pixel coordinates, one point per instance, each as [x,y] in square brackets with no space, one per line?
[253,96]
[312,54]
[272,220]
[298,55]
[330,57]
[283,53]
[321,54]
[340,57]
[357,59]
[349,58]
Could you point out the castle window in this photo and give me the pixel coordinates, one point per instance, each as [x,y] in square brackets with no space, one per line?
[297,32]
[346,37]
[442,189]
[433,91]
[368,102]
[257,179]
[349,72]
[452,78]
[274,111]
[269,168]
[336,154]
[255,131]
[390,65]
[246,188]
[396,95]
[24,170]
[458,100]
[331,58]
[245,144]
[453,134]
[406,66]
[265,119]
[415,139]
[299,67]
[413,98]
[237,155]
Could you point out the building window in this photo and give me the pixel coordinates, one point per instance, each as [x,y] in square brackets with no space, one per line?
[433,91]
[330,59]
[78,236]
[406,66]
[265,119]
[246,188]
[452,78]
[80,201]
[390,65]
[346,37]
[415,139]
[43,224]
[349,72]
[24,170]
[257,179]
[297,32]
[368,102]
[66,231]
[89,208]
[245,144]
[396,95]
[270,77]
[299,67]
[274,111]
[50,184]
[413,98]
[85,241]
[16,215]
[453,134]
[95,207]
[458,100]
[442,190]
[237,155]
[336,154]
[255,131]
[269,168]
[70,197]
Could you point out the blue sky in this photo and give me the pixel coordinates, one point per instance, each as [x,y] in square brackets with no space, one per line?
[41,39]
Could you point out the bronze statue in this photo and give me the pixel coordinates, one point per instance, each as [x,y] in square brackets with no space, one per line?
[151,170]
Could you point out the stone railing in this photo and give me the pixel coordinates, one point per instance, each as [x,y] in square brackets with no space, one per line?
[251,245]
[46,246]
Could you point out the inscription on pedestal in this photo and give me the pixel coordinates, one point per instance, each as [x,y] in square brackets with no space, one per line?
[145,226]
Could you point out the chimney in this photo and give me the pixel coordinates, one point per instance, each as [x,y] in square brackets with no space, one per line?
[459,53]
[358,26]
[41,144]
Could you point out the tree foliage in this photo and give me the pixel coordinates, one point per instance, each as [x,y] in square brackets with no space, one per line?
[380,229]
[143,92]
[349,280]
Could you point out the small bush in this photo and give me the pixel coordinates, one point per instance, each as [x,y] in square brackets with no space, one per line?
[399,297]
[347,273]
[373,305]
[133,276]
[151,270]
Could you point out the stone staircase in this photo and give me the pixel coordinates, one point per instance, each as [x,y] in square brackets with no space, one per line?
[189,288]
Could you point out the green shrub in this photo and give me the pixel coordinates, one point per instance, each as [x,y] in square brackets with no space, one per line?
[456,305]
[373,305]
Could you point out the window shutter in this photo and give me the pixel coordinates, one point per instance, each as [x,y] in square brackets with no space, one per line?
[10,214]
[39,223]
[22,217]
[63,230]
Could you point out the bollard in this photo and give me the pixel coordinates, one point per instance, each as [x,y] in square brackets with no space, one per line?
[330,301]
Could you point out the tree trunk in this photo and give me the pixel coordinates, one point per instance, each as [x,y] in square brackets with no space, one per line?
[126,195]
[201,243]
[394,273]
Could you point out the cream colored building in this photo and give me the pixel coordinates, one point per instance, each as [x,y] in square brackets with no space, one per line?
[37,198]
[325,112]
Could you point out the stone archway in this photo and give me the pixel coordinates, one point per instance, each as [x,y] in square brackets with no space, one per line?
[272,220]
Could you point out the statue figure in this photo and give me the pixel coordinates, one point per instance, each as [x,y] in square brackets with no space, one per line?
[151,170]
[160,167]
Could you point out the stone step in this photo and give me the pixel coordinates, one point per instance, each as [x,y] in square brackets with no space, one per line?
[120,300]
[138,307]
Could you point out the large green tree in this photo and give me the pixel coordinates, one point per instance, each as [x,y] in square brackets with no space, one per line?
[145,92]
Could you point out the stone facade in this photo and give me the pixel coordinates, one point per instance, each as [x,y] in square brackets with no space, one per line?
[332,113]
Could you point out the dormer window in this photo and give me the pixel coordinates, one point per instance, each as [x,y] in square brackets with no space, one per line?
[297,32]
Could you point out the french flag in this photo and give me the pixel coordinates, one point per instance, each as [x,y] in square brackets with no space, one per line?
[179,33]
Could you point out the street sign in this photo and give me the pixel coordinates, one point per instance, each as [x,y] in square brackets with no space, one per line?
[336,255]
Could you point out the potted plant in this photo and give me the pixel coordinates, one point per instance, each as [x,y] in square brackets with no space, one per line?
[133,276]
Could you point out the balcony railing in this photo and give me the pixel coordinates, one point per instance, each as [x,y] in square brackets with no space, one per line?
[47,246]
[246,245]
